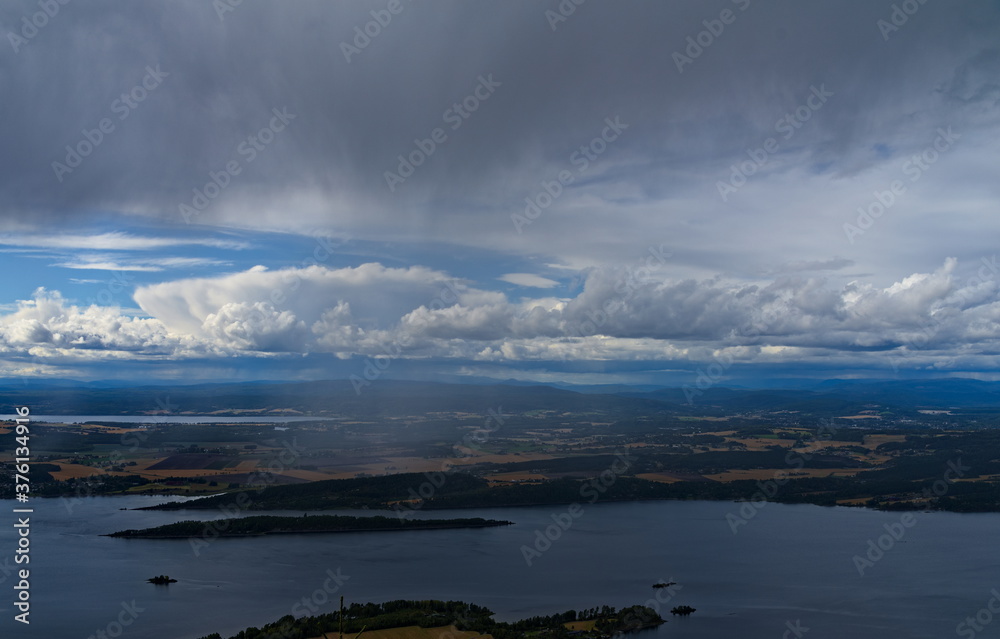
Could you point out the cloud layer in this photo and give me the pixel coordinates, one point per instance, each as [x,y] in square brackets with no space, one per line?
[688,124]
[923,320]
[679,183]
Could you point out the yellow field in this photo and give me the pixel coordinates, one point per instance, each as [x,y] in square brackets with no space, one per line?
[401,465]
[339,475]
[390,465]
[410,632]
[874,441]
[580,625]
[663,478]
[74,471]
[178,472]
[193,489]
[762,444]
[111,430]
[770,473]
[980,478]
[308,475]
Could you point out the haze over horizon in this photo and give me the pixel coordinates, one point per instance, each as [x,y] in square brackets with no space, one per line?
[552,192]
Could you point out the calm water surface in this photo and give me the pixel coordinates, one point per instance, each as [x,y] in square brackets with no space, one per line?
[789,564]
[169,419]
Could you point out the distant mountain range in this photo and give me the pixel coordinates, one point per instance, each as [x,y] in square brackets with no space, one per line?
[397,398]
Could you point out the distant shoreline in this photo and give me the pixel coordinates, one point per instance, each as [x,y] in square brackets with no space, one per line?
[176,419]
[257,526]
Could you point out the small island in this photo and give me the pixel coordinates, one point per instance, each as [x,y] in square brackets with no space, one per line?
[270,525]
[433,619]
[665,584]
[682,610]
[161,580]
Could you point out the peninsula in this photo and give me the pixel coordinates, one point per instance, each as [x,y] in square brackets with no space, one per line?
[272,525]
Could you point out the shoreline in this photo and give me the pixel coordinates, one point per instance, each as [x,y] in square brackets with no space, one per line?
[389,511]
[282,531]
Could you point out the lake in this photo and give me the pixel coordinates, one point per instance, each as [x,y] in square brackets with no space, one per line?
[156,420]
[787,565]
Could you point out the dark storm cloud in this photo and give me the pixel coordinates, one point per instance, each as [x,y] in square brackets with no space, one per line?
[222,74]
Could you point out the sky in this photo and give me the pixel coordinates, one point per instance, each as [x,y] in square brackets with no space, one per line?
[692,192]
